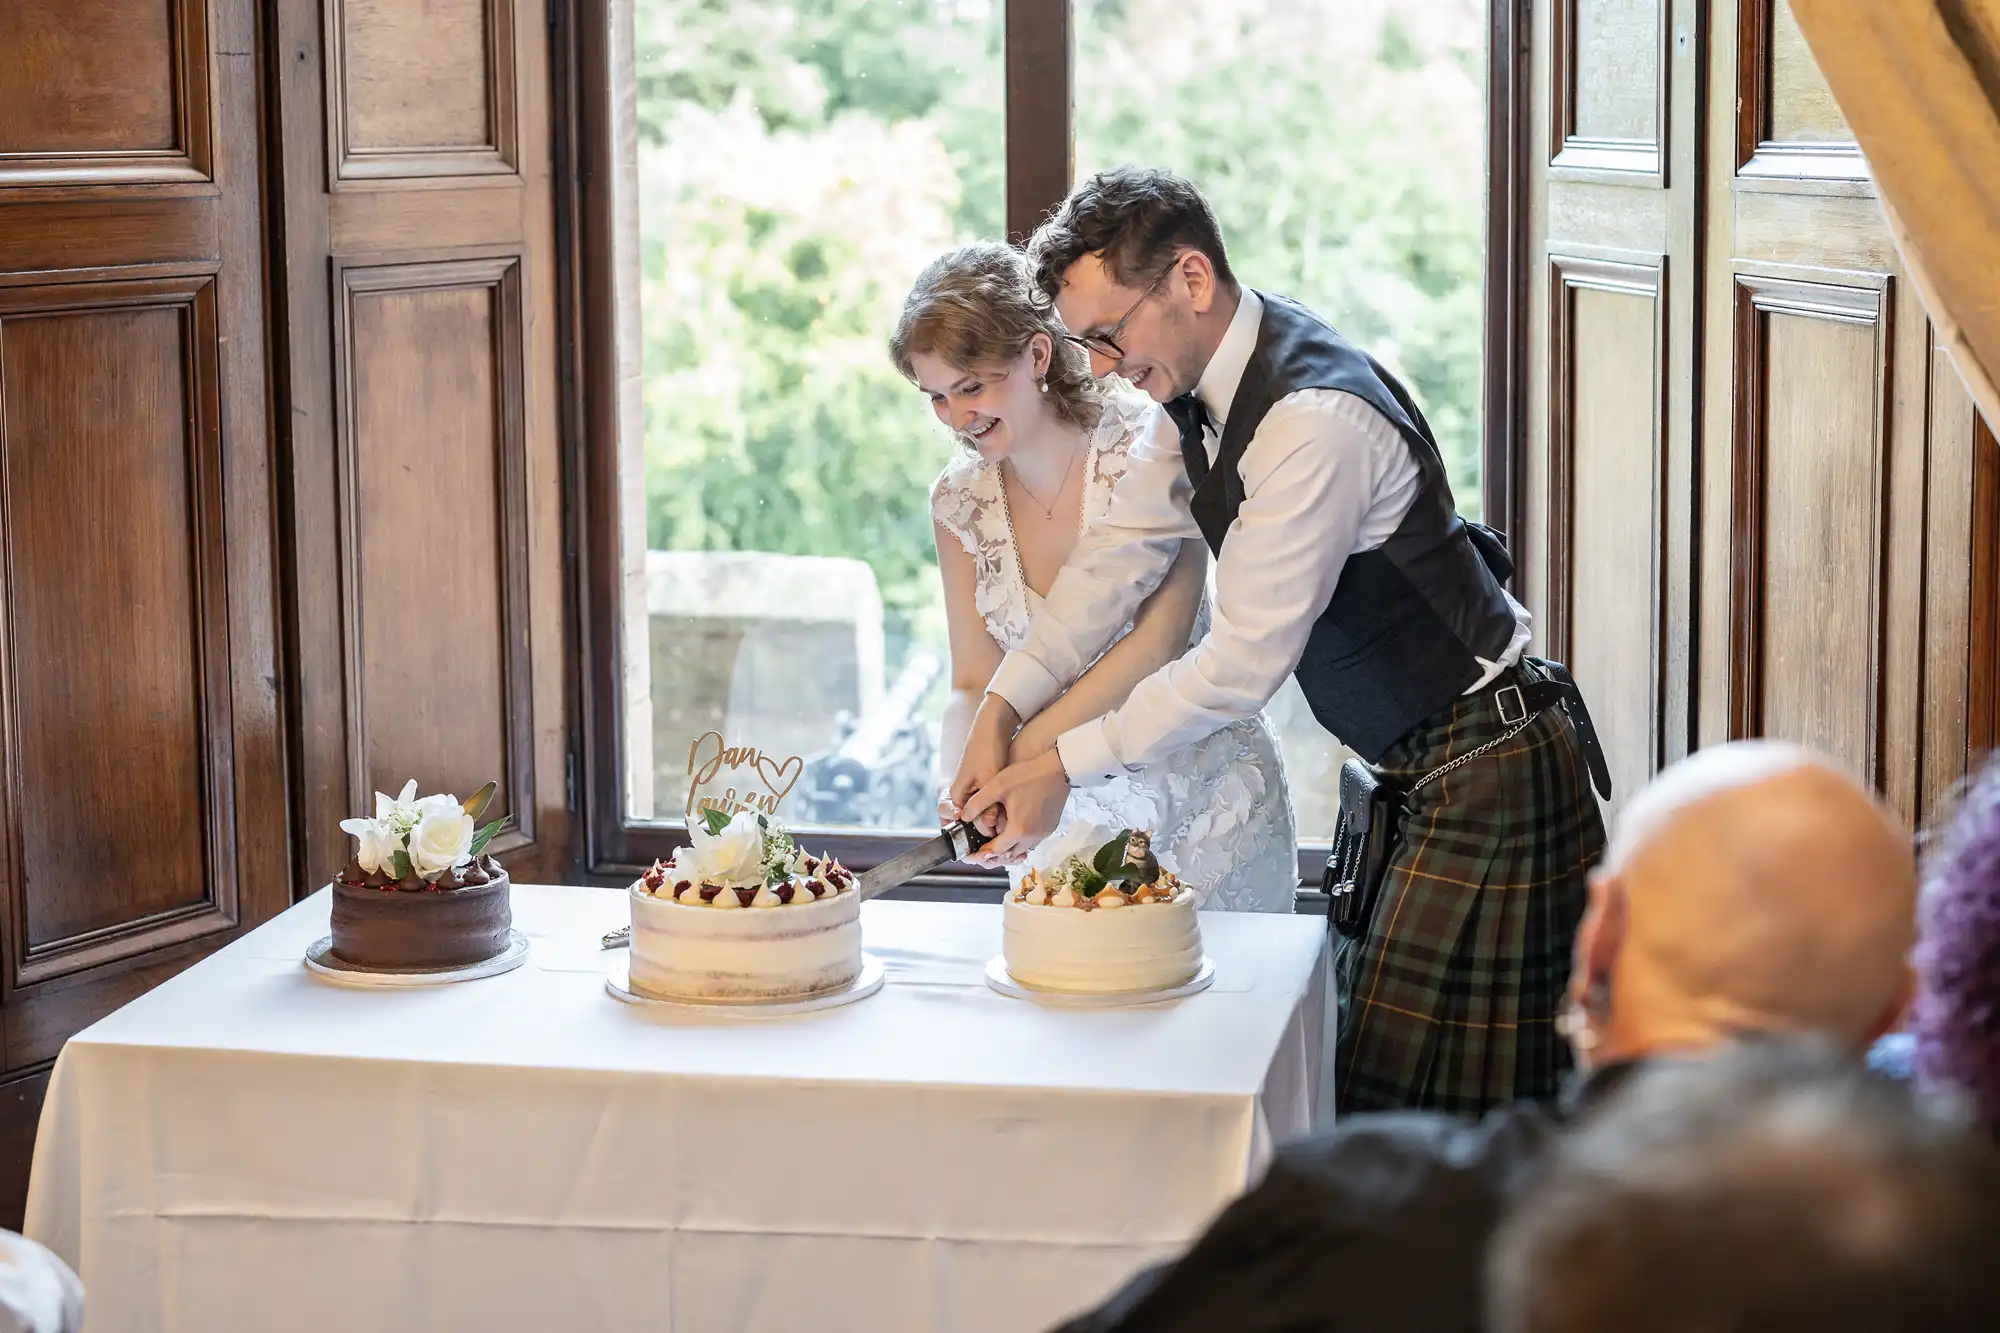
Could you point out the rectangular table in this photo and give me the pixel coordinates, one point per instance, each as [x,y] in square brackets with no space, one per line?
[250,1147]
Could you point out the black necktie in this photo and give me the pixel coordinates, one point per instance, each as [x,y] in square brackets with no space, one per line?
[1192,417]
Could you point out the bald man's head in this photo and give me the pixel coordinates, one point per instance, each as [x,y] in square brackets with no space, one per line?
[1751,887]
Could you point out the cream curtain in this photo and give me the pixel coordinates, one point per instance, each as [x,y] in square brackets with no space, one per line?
[1919,83]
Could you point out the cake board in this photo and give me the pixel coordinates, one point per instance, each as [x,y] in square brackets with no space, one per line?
[321,962]
[1000,979]
[873,973]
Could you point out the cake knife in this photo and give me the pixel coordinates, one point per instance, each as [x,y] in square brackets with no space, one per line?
[957,841]
[954,842]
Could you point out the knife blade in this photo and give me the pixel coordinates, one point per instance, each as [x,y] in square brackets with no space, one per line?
[958,841]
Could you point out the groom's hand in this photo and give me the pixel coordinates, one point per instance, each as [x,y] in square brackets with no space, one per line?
[1032,793]
[986,751]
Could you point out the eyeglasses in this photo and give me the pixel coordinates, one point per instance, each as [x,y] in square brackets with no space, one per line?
[1106,344]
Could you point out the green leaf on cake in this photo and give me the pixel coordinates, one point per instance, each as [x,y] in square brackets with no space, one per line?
[487,834]
[477,803]
[714,821]
[401,863]
[1112,854]
[1087,883]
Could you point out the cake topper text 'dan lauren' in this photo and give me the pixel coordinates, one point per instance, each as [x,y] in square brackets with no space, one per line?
[758,781]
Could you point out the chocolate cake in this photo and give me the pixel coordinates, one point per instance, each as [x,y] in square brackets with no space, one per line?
[421,895]
[412,925]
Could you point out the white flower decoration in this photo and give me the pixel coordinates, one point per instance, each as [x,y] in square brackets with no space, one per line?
[398,814]
[734,857]
[441,839]
[1081,840]
[378,845]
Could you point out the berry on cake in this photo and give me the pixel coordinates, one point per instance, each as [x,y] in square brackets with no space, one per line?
[698,933]
[1096,914]
[421,894]
[744,860]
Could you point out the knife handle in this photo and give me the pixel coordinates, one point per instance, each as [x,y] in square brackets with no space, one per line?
[966,838]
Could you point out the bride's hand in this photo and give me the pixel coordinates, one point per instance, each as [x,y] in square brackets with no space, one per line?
[988,747]
[1032,795]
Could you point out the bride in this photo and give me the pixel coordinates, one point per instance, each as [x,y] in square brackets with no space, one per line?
[1042,447]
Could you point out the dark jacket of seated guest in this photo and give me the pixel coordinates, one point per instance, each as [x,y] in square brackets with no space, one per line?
[1750,889]
[1378,1224]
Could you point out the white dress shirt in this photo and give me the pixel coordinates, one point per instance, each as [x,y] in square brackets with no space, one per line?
[1324,476]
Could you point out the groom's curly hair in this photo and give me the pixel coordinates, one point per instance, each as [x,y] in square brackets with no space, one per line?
[1138,219]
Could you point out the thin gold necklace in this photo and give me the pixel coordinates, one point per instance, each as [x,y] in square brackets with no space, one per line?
[1014,538]
[1049,509]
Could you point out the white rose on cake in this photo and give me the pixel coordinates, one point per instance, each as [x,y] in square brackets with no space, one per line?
[438,803]
[442,838]
[732,857]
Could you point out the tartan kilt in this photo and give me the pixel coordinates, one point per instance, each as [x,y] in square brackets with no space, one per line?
[1449,1001]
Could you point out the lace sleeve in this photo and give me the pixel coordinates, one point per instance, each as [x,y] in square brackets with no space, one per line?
[952,506]
[1129,417]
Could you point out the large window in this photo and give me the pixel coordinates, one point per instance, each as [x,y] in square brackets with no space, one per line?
[797,162]
[782,169]
[1341,143]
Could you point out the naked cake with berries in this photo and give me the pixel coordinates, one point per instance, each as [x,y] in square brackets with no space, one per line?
[1096,914]
[742,915]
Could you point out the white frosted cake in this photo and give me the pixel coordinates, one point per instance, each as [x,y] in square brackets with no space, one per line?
[1096,915]
[741,914]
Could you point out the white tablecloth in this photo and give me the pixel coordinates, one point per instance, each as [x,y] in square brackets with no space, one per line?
[249,1147]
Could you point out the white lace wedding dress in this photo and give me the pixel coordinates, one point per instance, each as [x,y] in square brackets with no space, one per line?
[1219,809]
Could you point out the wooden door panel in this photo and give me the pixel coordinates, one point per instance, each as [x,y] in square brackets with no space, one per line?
[1776,429]
[1606,524]
[116,684]
[1837,458]
[419,222]
[144,807]
[1607,394]
[1610,81]
[1810,482]
[420,90]
[1802,109]
[375,223]
[102,90]
[69,238]
[1618,69]
[1787,126]
[435,460]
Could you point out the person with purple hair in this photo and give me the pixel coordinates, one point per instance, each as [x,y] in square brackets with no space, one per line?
[1956,1017]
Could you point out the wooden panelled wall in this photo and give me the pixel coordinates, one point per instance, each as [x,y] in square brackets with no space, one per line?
[280,509]
[143,805]
[1756,499]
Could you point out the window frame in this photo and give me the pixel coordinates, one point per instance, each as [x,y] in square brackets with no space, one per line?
[607,845]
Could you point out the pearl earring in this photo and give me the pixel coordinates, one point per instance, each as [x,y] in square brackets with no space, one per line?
[1045,384]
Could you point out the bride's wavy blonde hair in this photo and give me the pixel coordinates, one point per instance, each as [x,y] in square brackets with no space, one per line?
[977,306]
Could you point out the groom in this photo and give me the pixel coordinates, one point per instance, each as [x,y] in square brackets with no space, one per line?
[1339,558]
